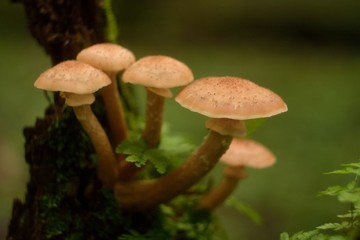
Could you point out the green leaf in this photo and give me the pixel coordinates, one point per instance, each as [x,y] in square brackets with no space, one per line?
[350,214]
[129,147]
[355,165]
[333,190]
[138,160]
[338,237]
[348,193]
[172,148]
[336,226]
[167,210]
[349,168]
[245,209]
[157,158]
[305,235]
[347,196]
[111,26]
[284,236]
[329,226]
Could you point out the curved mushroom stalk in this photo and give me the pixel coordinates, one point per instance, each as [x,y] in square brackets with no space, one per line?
[216,196]
[114,110]
[107,171]
[77,82]
[110,58]
[157,73]
[242,153]
[151,134]
[147,194]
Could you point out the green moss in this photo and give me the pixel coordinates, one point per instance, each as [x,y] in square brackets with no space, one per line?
[74,206]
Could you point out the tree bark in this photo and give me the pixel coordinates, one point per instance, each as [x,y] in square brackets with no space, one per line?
[64,27]
[64,199]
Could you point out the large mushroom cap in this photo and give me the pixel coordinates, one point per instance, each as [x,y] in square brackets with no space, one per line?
[230,97]
[248,153]
[107,56]
[158,72]
[73,77]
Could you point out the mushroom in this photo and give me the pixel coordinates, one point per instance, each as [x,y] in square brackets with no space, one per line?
[242,153]
[111,58]
[226,126]
[77,82]
[242,99]
[158,74]
[216,97]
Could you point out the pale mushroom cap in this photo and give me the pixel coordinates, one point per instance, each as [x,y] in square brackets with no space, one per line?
[224,126]
[230,97]
[73,77]
[158,72]
[249,153]
[107,57]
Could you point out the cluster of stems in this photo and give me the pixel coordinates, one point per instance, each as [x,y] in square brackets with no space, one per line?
[120,176]
[114,171]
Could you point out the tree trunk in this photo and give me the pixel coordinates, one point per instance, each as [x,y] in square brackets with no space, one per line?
[64,199]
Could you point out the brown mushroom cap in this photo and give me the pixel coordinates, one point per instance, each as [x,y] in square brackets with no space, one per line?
[248,153]
[158,72]
[230,97]
[73,77]
[107,56]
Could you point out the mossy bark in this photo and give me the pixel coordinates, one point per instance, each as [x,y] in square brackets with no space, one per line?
[64,199]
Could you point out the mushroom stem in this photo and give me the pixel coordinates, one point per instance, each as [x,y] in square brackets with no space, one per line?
[154,119]
[127,170]
[147,194]
[151,134]
[216,196]
[107,171]
[114,111]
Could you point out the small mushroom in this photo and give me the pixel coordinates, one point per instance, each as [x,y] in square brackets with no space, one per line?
[77,82]
[157,74]
[242,153]
[215,97]
[111,58]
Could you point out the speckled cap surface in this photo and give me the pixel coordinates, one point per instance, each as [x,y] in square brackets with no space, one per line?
[73,77]
[158,72]
[107,56]
[230,97]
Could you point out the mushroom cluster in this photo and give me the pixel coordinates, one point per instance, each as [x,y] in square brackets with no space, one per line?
[227,101]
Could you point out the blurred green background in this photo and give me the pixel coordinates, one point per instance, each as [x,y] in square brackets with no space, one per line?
[306,51]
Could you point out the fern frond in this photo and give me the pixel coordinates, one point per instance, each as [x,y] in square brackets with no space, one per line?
[344,230]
